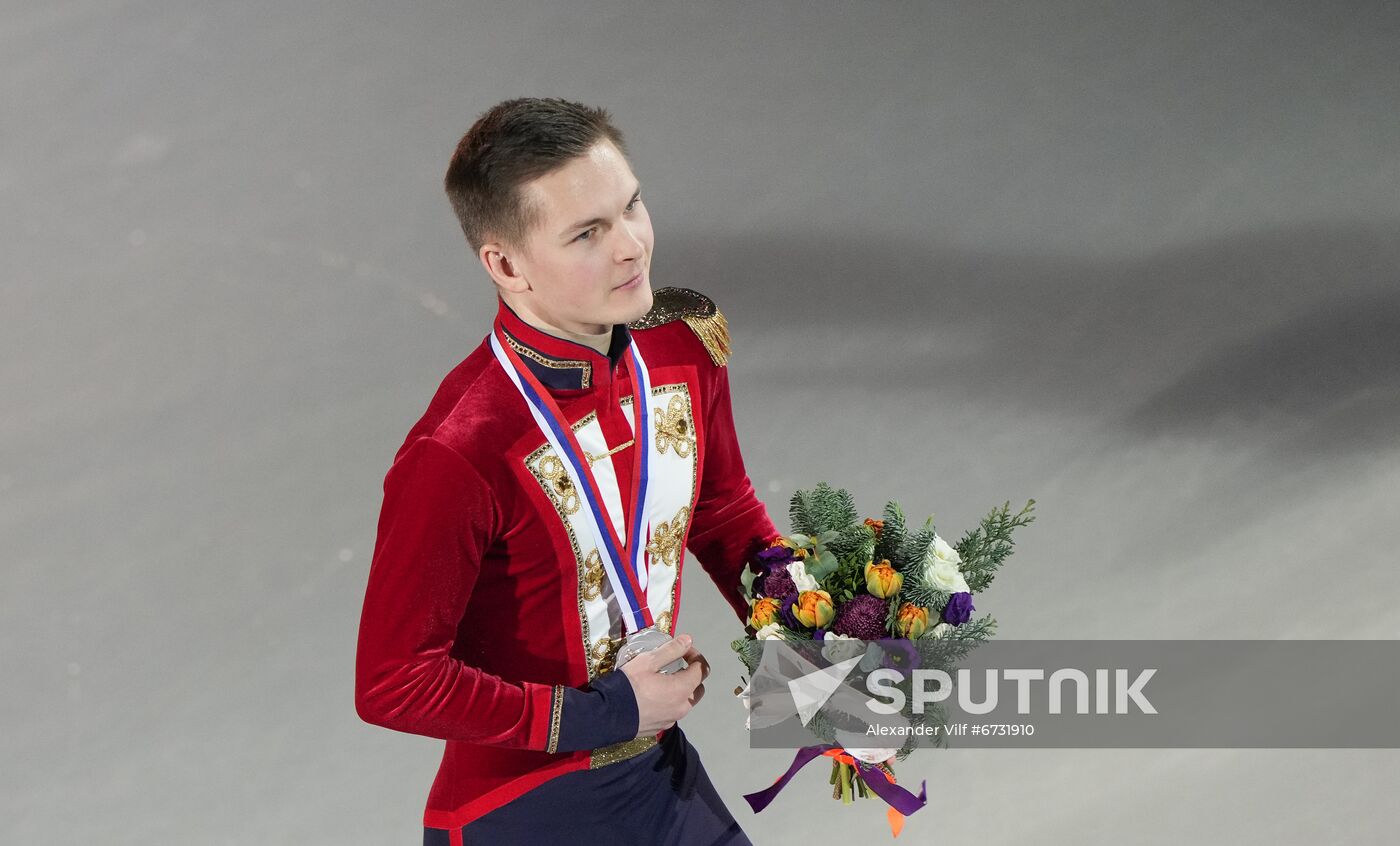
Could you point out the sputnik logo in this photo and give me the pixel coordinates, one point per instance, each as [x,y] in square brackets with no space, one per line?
[810,692]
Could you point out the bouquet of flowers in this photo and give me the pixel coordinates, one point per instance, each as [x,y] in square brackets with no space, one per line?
[838,578]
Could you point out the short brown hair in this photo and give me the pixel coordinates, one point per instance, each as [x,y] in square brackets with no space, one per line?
[512,143]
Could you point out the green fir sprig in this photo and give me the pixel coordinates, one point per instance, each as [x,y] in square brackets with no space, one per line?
[984,548]
[821,509]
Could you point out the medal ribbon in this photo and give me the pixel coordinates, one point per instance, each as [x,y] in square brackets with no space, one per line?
[625,565]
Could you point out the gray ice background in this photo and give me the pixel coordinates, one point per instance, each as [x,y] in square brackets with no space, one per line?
[1138,261]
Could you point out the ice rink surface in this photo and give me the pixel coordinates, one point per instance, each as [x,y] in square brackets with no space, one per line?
[1139,261]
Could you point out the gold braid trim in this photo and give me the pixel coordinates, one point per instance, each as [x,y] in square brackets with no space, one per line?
[699,313]
[554,364]
[556,711]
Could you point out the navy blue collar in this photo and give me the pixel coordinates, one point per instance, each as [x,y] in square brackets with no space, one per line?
[557,362]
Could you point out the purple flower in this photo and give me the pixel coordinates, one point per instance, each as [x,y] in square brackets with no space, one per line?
[899,654]
[959,609]
[778,583]
[863,617]
[785,606]
[774,557]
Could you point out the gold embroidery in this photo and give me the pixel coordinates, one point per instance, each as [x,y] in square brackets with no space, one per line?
[560,487]
[617,752]
[604,654]
[663,622]
[532,463]
[553,363]
[593,576]
[673,428]
[668,536]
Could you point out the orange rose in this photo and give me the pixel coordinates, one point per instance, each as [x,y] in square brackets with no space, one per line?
[765,611]
[882,579]
[912,620]
[814,608]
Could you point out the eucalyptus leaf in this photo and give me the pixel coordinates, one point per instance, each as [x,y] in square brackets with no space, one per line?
[746,579]
[824,565]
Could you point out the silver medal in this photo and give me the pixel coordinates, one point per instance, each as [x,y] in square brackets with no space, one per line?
[645,640]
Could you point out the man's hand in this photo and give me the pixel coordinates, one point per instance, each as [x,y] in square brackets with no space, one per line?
[662,699]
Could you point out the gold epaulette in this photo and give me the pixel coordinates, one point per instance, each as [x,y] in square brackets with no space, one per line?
[699,313]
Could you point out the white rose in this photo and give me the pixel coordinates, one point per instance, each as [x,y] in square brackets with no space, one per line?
[836,651]
[940,630]
[801,577]
[941,568]
[942,550]
[769,632]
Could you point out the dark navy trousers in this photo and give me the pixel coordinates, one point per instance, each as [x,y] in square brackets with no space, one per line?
[662,797]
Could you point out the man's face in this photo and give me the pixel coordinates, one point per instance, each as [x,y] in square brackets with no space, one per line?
[585,266]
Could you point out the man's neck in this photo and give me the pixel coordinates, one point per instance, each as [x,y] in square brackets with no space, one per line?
[600,341]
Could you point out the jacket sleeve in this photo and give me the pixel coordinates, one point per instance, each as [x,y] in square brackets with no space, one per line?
[437,519]
[730,524]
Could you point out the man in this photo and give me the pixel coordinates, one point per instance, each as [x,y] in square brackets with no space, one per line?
[535,519]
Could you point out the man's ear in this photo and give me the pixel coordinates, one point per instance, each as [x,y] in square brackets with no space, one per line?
[497,259]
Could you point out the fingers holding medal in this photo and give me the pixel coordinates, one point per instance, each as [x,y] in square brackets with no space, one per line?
[664,698]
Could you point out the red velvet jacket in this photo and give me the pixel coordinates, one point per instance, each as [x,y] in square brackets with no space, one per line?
[487,621]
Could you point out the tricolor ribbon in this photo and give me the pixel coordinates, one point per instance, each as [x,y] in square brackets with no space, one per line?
[902,803]
[625,566]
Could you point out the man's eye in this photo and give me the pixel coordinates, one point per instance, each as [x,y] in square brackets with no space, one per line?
[585,232]
[635,201]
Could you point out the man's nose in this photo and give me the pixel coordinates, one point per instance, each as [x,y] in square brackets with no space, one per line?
[630,246]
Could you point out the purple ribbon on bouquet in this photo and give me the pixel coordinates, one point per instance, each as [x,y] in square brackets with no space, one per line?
[875,778]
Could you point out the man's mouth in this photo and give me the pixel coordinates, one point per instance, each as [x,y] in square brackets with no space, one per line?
[630,283]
